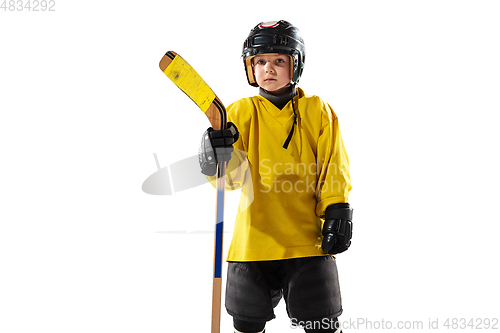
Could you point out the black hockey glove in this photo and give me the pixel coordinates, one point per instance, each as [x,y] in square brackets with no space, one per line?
[216,146]
[337,229]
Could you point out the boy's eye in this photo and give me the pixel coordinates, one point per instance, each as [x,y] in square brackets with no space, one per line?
[263,62]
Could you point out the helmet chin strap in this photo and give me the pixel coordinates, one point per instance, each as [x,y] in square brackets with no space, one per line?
[289,138]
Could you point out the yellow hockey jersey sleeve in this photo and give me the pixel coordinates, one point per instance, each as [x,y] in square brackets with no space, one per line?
[285,191]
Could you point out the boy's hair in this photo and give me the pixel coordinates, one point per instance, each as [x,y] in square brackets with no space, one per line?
[275,37]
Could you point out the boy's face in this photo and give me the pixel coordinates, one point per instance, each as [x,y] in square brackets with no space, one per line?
[272,71]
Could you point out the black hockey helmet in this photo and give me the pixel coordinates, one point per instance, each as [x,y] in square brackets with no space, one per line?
[275,37]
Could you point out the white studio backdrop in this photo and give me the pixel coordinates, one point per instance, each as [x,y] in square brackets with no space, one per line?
[84,107]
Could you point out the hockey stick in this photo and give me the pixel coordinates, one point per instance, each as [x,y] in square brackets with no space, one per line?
[186,78]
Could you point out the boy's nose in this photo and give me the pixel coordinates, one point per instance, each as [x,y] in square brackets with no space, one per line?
[269,68]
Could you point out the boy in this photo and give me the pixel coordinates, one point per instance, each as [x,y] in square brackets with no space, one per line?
[285,235]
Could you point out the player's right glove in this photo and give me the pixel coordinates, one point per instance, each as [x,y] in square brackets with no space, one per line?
[216,146]
[337,229]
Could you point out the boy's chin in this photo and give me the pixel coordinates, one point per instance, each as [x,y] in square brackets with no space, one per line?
[278,91]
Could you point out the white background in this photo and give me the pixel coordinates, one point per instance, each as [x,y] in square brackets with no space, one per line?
[84,106]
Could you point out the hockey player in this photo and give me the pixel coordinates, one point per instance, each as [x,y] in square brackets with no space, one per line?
[284,240]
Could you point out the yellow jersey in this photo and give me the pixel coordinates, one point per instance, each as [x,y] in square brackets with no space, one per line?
[284,191]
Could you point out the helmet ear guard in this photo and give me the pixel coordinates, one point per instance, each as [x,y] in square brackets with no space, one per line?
[274,37]
[249,71]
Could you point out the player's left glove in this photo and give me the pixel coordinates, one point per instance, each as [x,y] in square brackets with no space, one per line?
[337,229]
